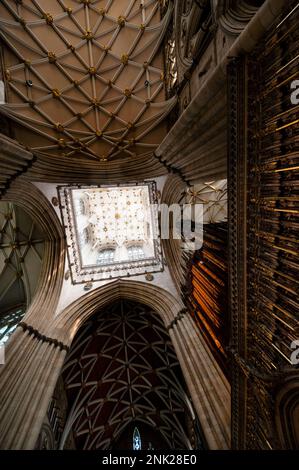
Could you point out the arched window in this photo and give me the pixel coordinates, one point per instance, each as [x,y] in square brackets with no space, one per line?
[8,323]
[135,252]
[106,256]
[136,439]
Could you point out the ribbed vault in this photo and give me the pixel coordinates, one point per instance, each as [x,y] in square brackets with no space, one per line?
[85,77]
[213,197]
[122,368]
[21,255]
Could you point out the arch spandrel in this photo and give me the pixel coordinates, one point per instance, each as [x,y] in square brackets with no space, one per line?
[72,317]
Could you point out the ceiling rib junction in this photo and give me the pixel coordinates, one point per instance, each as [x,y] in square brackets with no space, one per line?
[86,76]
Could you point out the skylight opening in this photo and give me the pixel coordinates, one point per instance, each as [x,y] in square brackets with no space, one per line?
[111,231]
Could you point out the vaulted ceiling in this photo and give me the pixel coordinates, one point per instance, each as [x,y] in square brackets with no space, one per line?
[122,369]
[21,254]
[84,78]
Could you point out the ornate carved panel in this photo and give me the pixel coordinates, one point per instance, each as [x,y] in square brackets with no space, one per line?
[263,217]
[237,237]
[112,231]
[233,15]
[193,32]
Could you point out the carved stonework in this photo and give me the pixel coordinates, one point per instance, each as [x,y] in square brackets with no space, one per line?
[46,439]
[233,16]
[193,27]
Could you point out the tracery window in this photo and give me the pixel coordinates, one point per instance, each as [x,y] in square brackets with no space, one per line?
[85,236]
[135,252]
[106,256]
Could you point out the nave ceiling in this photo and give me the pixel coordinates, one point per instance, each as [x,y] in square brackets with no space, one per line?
[122,369]
[84,79]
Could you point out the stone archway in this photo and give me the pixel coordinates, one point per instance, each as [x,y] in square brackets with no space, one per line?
[25,351]
[122,369]
[27,196]
[36,357]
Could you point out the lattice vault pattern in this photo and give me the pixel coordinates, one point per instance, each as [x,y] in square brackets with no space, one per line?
[85,76]
[213,197]
[122,368]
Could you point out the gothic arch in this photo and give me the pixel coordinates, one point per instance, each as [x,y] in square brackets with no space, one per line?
[199,368]
[27,196]
[233,16]
[121,368]
[33,381]
[28,358]
[72,317]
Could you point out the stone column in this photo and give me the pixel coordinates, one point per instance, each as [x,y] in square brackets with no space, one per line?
[33,364]
[209,388]
[33,357]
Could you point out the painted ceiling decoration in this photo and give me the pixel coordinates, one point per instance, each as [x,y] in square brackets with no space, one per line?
[86,77]
[21,254]
[122,369]
[111,231]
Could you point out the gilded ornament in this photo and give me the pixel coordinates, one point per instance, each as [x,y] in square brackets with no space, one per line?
[49,18]
[121,21]
[124,59]
[61,143]
[51,57]
[88,35]
[59,127]
[56,93]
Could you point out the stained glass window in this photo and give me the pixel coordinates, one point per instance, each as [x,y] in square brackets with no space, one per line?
[136,439]
[8,324]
